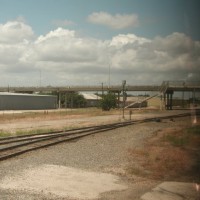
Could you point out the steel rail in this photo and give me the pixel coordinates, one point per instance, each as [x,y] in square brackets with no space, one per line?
[53,138]
[79,130]
[13,139]
[55,132]
[32,140]
[82,128]
[8,140]
[53,141]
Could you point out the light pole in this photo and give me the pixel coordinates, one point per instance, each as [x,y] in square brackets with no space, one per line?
[40,78]
[124,97]
[102,89]
[109,76]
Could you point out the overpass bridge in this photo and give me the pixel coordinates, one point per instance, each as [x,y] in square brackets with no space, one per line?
[176,86]
[165,90]
[116,88]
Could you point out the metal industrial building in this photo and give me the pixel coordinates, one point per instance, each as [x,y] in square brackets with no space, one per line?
[17,101]
[92,100]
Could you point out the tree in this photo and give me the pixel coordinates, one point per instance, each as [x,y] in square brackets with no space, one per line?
[74,100]
[71,99]
[108,101]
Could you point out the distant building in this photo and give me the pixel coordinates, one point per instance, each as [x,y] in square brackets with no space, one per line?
[16,101]
[92,100]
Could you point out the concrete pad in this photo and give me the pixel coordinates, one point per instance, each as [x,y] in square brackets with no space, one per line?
[63,182]
[172,191]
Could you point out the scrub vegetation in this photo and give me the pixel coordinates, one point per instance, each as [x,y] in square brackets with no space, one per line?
[37,116]
[25,132]
[172,154]
[108,102]
[54,113]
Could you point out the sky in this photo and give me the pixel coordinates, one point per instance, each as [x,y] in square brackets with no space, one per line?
[90,42]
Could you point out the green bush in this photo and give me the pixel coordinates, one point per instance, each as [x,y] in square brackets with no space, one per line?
[108,101]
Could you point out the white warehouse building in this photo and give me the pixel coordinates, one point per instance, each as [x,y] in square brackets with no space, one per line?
[18,101]
[91,99]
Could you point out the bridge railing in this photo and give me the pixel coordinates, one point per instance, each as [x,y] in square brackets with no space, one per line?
[182,83]
[164,86]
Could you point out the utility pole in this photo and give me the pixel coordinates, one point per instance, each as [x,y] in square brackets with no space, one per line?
[109,76]
[124,96]
[102,89]
[40,77]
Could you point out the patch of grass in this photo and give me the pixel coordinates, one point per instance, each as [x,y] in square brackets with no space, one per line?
[4,134]
[25,132]
[194,130]
[172,156]
[167,162]
[180,141]
[36,131]
[55,114]
[136,171]
[160,162]
[184,137]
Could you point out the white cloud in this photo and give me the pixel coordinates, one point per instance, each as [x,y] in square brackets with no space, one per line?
[9,54]
[117,21]
[169,58]
[56,34]
[63,46]
[122,39]
[176,43]
[15,32]
[64,57]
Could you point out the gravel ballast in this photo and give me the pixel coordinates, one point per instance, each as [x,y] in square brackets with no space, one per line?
[101,153]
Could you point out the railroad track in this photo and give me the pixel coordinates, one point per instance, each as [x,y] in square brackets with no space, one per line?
[17,145]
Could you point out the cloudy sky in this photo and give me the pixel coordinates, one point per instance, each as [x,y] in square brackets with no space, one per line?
[78,42]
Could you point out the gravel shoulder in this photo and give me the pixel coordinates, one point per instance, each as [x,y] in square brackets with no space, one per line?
[101,153]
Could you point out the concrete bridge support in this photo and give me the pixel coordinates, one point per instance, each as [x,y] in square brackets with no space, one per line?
[169,100]
[118,99]
[162,101]
[59,99]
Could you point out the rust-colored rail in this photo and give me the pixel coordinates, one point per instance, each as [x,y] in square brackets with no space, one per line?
[17,145]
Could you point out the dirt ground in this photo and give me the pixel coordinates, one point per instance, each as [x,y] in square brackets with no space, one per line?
[22,121]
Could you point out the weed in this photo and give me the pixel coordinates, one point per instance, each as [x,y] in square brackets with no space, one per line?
[136,170]
[55,114]
[194,130]
[176,158]
[4,134]
[26,132]
[36,131]
[160,162]
[180,141]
